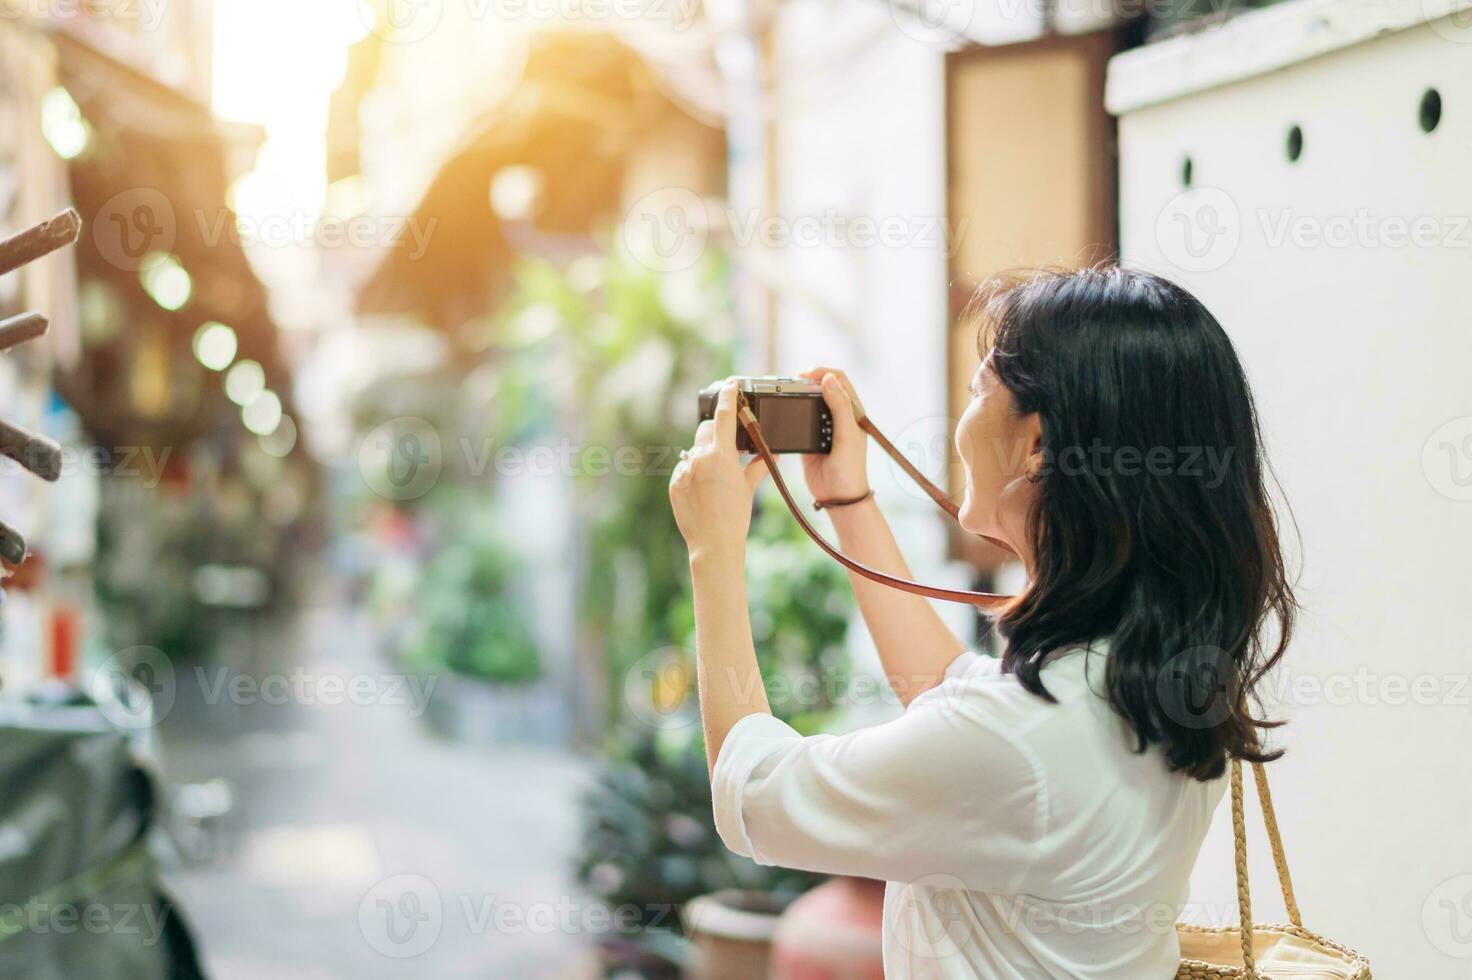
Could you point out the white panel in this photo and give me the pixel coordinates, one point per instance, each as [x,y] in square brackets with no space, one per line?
[1360,351]
[1256,42]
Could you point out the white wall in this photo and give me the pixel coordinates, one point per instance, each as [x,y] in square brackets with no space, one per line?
[1361,357]
[861,147]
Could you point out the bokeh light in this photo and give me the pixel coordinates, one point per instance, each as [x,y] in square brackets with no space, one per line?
[62,124]
[514,192]
[215,345]
[281,442]
[263,414]
[245,381]
[166,281]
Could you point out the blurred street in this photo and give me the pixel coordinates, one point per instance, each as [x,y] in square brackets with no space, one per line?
[277,893]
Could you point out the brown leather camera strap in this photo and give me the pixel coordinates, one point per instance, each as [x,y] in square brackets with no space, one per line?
[985,600]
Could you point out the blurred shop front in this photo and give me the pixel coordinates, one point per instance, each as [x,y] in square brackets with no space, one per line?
[179,378]
[184,476]
[177,486]
[45,605]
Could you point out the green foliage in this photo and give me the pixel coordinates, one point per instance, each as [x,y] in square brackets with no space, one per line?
[470,619]
[602,347]
[615,354]
[649,842]
[609,356]
[801,605]
[625,368]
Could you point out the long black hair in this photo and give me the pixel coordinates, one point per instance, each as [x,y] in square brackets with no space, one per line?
[1152,525]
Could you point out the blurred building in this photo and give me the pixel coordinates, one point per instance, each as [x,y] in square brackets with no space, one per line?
[904,154]
[113,116]
[32,189]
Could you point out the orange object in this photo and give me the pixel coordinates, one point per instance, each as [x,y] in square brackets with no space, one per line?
[64,628]
[834,932]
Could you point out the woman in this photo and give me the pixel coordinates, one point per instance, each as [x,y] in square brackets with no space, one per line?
[1037,815]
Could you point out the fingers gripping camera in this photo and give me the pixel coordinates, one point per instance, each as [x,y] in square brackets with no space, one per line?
[791,411]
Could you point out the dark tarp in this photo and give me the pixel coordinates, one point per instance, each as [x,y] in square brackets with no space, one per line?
[79,893]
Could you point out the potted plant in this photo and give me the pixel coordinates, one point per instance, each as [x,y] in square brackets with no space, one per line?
[651,843]
[471,632]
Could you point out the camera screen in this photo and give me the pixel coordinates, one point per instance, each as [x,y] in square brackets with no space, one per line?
[787,422]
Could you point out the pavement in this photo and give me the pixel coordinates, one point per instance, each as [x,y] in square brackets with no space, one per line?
[357,844]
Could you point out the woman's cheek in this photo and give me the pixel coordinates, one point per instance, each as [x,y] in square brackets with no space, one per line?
[965,441]
[963,514]
[973,479]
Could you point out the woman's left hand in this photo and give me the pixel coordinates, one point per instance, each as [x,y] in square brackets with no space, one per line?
[710,489]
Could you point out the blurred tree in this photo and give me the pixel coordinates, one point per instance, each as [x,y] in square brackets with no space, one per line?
[471,618]
[609,355]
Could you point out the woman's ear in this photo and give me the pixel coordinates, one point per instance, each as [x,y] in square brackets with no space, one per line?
[1031,433]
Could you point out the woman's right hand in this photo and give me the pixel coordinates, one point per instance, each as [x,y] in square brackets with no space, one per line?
[843,473]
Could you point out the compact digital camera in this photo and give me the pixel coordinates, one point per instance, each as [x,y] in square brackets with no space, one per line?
[791,411]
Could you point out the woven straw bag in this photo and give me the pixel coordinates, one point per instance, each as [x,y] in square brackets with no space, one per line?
[1263,952]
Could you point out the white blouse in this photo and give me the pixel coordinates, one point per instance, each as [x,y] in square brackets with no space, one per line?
[1020,838]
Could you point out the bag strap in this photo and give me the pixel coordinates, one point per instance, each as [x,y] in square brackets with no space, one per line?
[985,600]
[1244,892]
[1239,841]
[1270,820]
